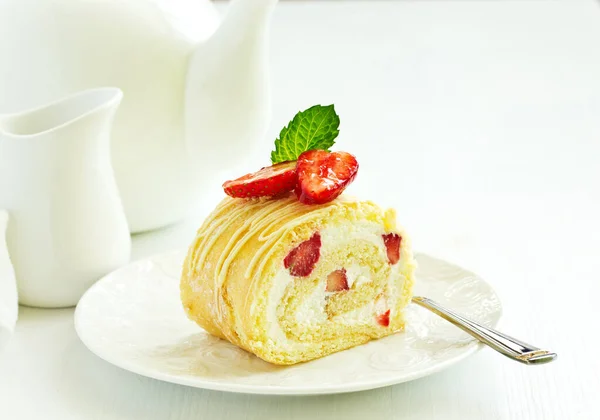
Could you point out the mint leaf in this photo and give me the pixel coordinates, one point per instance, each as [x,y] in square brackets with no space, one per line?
[315,128]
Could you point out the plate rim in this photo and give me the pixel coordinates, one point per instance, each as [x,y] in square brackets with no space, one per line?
[469,349]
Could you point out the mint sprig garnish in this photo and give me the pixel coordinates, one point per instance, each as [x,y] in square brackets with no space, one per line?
[315,128]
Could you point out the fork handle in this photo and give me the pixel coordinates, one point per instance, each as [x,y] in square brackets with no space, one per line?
[508,346]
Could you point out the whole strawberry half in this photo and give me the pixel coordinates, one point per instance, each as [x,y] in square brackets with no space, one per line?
[301,261]
[337,281]
[322,176]
[269,181]
[392,243]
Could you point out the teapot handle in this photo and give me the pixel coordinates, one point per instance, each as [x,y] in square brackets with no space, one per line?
[8,287]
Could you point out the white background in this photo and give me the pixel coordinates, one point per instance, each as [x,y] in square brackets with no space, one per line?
[480,123]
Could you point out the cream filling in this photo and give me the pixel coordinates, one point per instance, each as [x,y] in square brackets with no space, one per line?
[312,310]
[281,281]
[357,275]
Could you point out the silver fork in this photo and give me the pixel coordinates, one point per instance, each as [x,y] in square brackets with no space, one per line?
[508,346]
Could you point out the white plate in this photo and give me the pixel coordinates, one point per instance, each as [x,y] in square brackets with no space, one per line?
[133,319]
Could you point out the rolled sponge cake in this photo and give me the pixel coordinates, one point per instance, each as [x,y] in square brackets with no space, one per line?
[291,282]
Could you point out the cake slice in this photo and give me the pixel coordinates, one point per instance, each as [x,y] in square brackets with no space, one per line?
[292,282]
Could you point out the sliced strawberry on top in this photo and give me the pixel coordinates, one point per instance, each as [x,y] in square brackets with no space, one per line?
[337,281]
[322,176]
[269,181]
[301,260]
[392,243]
[384,319]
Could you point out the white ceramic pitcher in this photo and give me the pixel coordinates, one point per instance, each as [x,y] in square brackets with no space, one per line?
[196,92]
[67,226]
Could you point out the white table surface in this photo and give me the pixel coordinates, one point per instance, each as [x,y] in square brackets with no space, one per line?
[478,121]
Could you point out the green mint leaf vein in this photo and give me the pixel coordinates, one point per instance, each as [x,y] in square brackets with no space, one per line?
[315,128]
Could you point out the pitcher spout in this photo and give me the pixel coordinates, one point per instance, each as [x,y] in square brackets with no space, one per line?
[227,100]
[60,114]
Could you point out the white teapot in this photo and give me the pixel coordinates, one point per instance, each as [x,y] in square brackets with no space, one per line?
[196,94]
